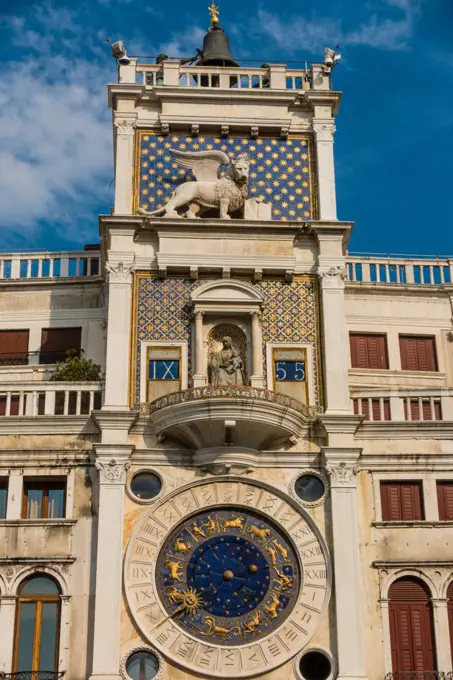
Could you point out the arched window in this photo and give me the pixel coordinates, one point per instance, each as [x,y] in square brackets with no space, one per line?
[37,625]
[450,614]
[411,626]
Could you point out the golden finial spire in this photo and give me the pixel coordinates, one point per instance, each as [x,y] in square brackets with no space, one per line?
[214,12]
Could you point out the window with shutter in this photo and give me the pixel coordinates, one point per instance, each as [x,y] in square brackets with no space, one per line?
[402,501]
[411,626]
[368,351]
[57,342]
[418,353]
[14,348]
[445,501]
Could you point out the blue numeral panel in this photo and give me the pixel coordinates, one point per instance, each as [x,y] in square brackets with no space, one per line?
[290,371]
[167,369]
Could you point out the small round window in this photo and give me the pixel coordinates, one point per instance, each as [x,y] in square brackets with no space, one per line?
[315,665]
[146,485]
[309,488]
[142,666]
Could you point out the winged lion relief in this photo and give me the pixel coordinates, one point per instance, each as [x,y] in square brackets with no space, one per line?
[227,194]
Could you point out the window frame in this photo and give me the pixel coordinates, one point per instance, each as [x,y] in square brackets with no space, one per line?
[365,334]
[407,336]
[45,483]
[18,358]
[57,354]
[441,504]
[38,600]
[4,485]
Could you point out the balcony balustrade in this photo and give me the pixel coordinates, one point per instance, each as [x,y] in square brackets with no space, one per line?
[32,675]
[419,675]
[49,398]
[268,77]
[208,417]
[47,265]
[418,405]
[400,270]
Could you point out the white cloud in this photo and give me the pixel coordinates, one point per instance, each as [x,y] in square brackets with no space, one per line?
[379,32]
[55,131]
[184,43]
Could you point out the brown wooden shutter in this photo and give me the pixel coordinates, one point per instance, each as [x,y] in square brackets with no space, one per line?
[13,347]
[418,353]
[387,415]
[56,342]
[411,626]
[445,501]
[359,355]
[415,409]
[368,351]
[401,501]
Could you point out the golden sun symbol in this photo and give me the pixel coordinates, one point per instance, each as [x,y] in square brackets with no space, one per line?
[191,601]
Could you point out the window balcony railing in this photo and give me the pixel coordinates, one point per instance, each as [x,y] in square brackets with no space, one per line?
[34,358]
[415,405]
[404,270]
[49,398]
[32,675]
[47,265]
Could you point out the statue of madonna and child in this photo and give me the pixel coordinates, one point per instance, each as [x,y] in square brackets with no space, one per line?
[226,366]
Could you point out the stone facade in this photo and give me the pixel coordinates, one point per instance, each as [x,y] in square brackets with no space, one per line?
[288,296]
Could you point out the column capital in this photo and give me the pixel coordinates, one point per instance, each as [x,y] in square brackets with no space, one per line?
[199,314]
[125,126]
[333,277]
[120,272]
[342,474]
[112,471]
[324,130]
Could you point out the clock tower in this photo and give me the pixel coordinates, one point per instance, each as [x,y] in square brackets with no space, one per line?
[226,457]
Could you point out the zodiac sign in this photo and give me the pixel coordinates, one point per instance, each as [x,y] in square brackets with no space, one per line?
[234,523]
[273,553]
[272,608]
[189,600]
[283,582]
[182,547]
[197,531]
[283,551]
[210,525]
[176,570]
[260,534]
[252,626]
[218,631]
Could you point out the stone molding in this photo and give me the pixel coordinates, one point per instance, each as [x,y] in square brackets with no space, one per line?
[120,272]
[437,575]
[112,471]
[316,473]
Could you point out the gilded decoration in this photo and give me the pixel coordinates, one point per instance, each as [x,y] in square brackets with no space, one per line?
[280,172]
[162,313]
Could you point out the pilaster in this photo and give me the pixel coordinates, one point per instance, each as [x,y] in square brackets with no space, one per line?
[124,159]
[15,493]
[341,465]
[324,130]
[118,337]
[442,635]
[7,617]
[112,462]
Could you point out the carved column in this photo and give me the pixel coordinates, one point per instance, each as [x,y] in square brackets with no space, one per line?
[348,575]
[442,635]
[199,379]
[324,131]
[124,158]
[118,337]
[112,463]
[335,336]
[7,618]
[257,351]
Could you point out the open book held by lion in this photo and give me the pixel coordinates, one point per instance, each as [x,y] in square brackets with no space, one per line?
[228,193]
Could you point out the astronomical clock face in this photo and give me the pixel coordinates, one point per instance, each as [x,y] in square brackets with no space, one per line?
[227,578]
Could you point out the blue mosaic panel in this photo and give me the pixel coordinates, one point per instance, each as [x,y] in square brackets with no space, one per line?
[280,170]
[163,313]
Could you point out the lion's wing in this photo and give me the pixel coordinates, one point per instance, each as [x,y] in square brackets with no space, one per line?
[204,164]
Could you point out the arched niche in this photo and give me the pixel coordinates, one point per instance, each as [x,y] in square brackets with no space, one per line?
[233,304]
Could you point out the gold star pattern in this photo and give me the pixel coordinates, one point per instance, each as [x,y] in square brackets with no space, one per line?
[273,167]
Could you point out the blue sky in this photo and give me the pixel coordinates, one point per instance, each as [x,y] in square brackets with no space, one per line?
[394,141]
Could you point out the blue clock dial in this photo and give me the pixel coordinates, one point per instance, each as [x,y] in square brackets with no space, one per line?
[228,575]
